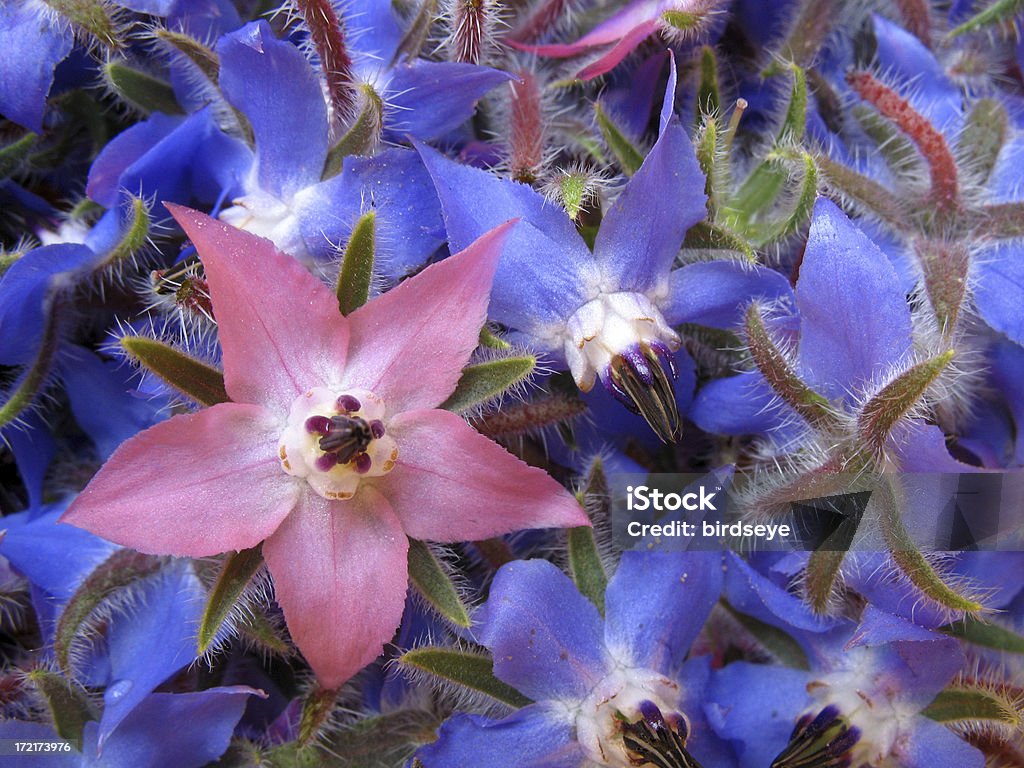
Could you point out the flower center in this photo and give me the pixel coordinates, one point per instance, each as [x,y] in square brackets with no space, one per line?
[624,339]
[621,723]
[334,440]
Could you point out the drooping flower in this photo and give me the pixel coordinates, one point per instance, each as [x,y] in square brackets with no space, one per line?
[609,314]
[606,691]
[332,451]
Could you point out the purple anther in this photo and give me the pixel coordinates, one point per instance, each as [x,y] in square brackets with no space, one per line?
[363,462]
[318,425]
[377,429]
[348,404]
[326,462]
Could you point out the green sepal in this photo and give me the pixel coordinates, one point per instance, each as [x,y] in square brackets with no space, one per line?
[94,18]
[865,192]
[430,578]
[706,235]
[708,157]
[134,237]
[897,399]
[684,21]
[117,572]
[363,134]
[630,158]
[822,577]
[999,12]
[202,57]
[372,740]
[974,705]
[811,25]
[356,273]
[68,704]
[32,381]
[14,156]
[585,565]
[982,138]
[945,265]
[573,193]
[781,375]
[520,418]
[263,633]
[474,671]
[709,91]
[794,124]
[782,647]
[985,634]
[898,151]
[193,378]
[491,340]
[316,713]
[484,381]
[1001,221]
[800,214]
[415,37]
[235,575]
[908,557]
[145,93]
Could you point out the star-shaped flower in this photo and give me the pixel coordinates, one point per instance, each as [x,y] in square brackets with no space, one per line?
[333,449]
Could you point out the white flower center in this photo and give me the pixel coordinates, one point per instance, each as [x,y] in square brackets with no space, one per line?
[615,700]
[334,439]
[610,325]
[264,215]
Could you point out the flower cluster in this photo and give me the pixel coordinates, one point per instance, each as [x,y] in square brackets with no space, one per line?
[336,335]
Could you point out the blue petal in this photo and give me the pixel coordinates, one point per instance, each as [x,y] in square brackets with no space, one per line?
[629,102]
[545,265]
[121,152]
[933,94]
[171,730]
[717,293]
[668,105]
[999,288]
[272,83]
[933,745]
[374,31]
[545,636]
[1006,184]
[203,19]
[55,558]
[427,99]
[153,7]
[879,627]
[855,319]
[752,593]
[755,706]
[657,602]
[398,188]
[24,292]
[643,230]
[33,448]
[536,736]
[920,447]
[102,400]
[32,43]
[151,642]
[739,405]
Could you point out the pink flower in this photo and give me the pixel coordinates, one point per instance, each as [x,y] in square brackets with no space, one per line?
[333,450]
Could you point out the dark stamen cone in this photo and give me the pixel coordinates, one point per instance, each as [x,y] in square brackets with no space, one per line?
[639,380]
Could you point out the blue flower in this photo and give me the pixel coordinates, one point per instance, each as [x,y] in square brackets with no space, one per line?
[594,683]
[607,314]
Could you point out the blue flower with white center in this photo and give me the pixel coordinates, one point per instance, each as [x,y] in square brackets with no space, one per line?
[605,691]
[609,314]
[867,684]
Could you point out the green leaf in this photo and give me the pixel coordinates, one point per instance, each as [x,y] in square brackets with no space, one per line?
[800,214]
[781,375]
[199,381]
[897,399]
[978,632]
[630,158]
[585,566]
[484,381]
[356,273]
[474,671]
[779,644]
[68,704]
[142,91]
[429,576]
[983,137]
[235,575]
[120,570]
[362,136]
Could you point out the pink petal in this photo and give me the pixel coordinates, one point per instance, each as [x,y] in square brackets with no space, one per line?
[451,483]
[340,574]
[195,485]
[623,48]
[611,30]
[280,327]
[410,344]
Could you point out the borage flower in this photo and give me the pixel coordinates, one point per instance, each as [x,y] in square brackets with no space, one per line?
[333,449]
